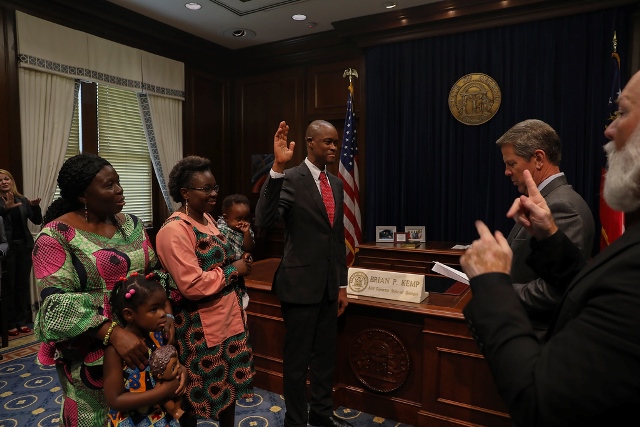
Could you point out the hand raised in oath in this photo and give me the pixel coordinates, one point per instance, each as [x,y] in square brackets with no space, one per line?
[282,149]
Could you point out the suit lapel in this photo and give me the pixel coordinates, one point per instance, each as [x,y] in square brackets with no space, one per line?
[335,181]
[514,232]
[555,183]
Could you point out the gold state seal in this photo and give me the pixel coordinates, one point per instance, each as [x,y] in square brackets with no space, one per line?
[474,99]
[358,282]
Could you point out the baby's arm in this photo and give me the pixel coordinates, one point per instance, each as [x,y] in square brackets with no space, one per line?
[247,242]
[115,394]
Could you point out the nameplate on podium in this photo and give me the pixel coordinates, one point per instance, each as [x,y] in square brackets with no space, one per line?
[386,284]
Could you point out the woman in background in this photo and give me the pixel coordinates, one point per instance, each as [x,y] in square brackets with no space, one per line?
[211,329]
[16,211]
[85,247]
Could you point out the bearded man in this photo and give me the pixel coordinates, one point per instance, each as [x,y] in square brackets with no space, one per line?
[586,370]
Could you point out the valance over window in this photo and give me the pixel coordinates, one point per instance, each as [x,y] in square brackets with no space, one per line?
[55,49]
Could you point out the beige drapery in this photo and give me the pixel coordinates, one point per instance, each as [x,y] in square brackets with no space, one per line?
[51,58]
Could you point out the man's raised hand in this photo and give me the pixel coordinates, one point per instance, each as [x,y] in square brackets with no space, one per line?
[532,211]
[490,253]
[282,149]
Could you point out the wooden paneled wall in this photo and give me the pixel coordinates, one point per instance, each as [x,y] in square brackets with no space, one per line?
[235,99]
[298,96]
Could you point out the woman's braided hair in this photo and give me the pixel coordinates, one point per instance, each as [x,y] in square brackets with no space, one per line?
[74,177]
[130,292]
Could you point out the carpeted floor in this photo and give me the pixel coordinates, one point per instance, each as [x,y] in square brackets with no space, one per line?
[30,395]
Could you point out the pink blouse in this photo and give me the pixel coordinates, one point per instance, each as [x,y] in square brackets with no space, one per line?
[222,317]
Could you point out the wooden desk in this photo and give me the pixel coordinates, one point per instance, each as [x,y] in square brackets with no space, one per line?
[394,257]
[414,363]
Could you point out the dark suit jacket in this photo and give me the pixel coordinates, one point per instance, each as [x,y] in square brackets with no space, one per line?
[573,216]
[314,251]
[32,213]
[588,370]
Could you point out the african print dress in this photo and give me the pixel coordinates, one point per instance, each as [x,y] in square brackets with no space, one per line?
[209,319]
[138,382]
[75,271]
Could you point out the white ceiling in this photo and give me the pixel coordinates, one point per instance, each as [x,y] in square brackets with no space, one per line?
[270,20]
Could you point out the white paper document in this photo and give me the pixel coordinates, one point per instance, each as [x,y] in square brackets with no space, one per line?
[452,273]
[461,247]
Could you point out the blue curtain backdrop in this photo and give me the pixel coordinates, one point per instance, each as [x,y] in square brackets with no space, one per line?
[424,167]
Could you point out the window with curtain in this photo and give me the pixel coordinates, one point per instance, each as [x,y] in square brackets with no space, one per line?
[115,132]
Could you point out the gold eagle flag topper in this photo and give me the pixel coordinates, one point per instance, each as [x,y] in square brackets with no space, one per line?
[474,99]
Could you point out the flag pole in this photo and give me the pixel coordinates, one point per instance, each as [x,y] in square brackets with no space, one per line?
[611,221]
[348,174]
[614,54]
[351,73]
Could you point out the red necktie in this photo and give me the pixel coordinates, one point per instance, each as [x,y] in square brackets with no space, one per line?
[327,196]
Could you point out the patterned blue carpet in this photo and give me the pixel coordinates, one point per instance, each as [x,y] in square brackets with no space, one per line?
[30,396]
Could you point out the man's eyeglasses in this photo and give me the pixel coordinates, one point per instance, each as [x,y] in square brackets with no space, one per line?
[207,190]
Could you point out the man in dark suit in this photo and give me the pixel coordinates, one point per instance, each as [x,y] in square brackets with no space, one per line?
[535,146]
[587,370]
[312,277]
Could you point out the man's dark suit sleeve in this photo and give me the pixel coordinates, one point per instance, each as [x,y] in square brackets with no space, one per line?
[587,371]
[267,210]
[556,269]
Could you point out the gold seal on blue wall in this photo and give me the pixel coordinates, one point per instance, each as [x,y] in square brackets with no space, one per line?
[474,99]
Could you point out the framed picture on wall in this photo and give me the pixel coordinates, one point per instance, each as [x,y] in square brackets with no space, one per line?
[385,233]
[415,233]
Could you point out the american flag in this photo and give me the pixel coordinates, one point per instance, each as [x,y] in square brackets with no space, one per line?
[612,221]
[348,173]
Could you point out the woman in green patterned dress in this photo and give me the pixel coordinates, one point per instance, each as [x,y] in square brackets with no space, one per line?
[86,245]
[211,328]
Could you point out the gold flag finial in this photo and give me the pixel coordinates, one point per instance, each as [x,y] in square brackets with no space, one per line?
[615,42]
[351,73]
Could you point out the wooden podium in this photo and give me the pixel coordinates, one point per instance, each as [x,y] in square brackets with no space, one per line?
[413,363]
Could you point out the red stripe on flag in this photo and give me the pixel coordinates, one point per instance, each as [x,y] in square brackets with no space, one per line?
[348,173]
[612,222]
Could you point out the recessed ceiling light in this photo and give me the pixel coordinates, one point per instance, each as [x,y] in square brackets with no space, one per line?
[389,5]
[192,6]
[299,17]
[239,33]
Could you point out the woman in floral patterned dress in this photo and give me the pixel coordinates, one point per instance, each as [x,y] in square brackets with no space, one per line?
[210,322]
[86,245]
